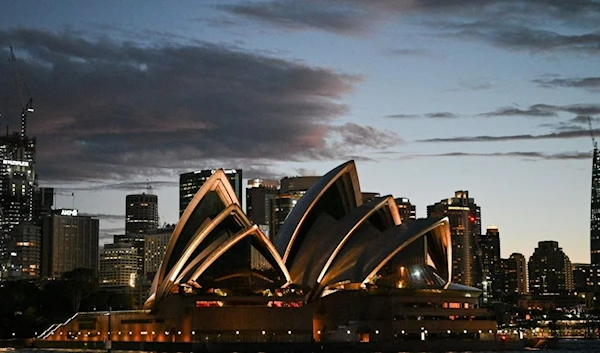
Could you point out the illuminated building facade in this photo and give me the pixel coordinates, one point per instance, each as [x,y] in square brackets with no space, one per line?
[18,181]
[24,248]
[155,248]
[595,222]
[582,278]
[69,241]
[408,211]
[190,183]
[141,213]
[549,269]
[515,275]
[340,270]
[465,227]
[119,266]
[290,192]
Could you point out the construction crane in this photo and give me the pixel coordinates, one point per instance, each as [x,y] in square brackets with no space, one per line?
[26,107]
[592,133]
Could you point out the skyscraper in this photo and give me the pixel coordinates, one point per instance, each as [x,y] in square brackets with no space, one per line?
[595,222]
[24,248]
[141,212]
[465,228]
[290,191]
[155,248]
[582,281]
[43,200]
[119,266]
[549,269]
[516,274]
[259,200]
[490,256]
[69,241]
[190,183]
[17,183]
[408,211]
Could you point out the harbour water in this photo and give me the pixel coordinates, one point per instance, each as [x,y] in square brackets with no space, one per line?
[564,346]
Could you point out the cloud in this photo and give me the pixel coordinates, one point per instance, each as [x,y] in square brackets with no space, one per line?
[440,115]
[526,155]
[545,110]
[105,217]
[497,22]
[338,17]
[436,115]
[352,134]
[107,110]
[519,38]
[539,110]
[409,52]
[555,135]
[402,116]
[588,83]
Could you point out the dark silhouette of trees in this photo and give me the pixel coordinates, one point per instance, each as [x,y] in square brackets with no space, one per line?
[27,309]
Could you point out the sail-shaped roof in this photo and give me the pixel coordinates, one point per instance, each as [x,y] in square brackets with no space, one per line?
[329,238]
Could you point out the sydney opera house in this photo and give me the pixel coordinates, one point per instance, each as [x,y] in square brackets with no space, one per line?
[338,270]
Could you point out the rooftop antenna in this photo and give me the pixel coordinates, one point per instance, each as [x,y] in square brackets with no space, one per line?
[25,107]
[592,133]
[148,186]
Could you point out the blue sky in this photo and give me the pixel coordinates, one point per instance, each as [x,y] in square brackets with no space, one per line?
[429,97]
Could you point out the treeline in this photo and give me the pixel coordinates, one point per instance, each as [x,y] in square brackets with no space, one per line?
[27,309]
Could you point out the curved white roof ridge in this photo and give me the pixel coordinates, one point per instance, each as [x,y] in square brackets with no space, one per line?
[289,230]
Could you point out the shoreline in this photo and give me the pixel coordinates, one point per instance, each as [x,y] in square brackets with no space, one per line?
[300,347]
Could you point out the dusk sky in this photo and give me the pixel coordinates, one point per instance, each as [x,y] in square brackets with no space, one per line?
[428,97]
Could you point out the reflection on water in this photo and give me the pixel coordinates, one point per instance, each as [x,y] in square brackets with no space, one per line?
[564,346]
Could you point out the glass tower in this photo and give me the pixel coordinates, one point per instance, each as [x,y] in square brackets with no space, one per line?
[595,222]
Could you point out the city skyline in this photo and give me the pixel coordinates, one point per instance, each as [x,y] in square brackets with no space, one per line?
[428,97]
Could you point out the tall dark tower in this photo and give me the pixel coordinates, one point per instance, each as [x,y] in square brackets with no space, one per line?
[190,183]
[595,221]
[141,212]
[489,244]
[465,229]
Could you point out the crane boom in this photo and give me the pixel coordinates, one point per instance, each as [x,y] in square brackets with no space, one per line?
[592,133]
[25,107]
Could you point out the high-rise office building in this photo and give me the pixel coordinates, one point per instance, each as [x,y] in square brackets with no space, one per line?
[260,194]
[190,183]
[138,241]
[119,266]
[582,277]
[43,200]
[549,269]
[489,244]
[595,222]
[17,183]
[24,248]
[408,211]
[69,241]
[155,249]
[515,275]
[290,191]
[465,228]
[141,213]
